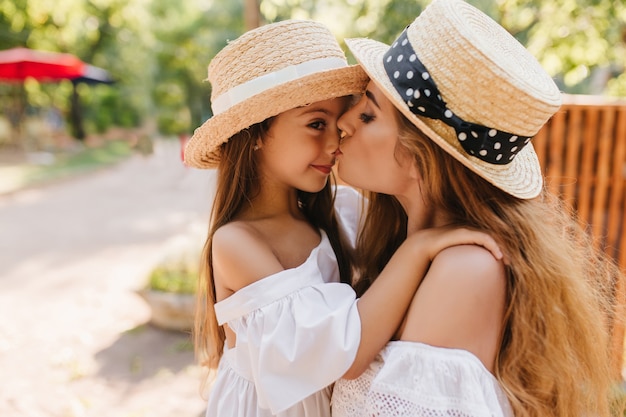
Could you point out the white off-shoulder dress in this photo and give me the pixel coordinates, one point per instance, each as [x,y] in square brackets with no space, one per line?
[297,332]
[412,379]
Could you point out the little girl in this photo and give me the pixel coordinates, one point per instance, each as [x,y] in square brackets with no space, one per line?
[277,315]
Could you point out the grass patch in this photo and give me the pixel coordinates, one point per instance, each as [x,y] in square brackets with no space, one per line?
[179,277]
[65,164]
[85,160]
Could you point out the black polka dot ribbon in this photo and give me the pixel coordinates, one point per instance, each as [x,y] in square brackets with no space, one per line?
[414,84]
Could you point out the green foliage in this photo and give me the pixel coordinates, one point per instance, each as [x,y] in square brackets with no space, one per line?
[575,40]
[170,123]
[581,43]
[178,272]
[396,15]
[188,38]
[159,50]
[103,33]
[180,276]
[110,152]
[15,25]
[105,107]
[617,86]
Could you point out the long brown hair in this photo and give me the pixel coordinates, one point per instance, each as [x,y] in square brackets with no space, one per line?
[554,355]
[237,185]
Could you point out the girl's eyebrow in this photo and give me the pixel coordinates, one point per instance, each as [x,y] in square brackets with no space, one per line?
[371,96]
[317,109]
[314,109]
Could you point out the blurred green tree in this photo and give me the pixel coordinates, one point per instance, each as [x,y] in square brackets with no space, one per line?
[581,43]
[187,37]
[100,33]
[158,50]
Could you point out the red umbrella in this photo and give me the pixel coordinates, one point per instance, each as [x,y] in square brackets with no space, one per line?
[17,64]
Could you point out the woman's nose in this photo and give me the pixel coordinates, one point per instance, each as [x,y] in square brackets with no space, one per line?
[346,128]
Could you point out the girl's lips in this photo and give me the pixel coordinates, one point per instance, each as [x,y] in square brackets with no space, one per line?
[324,169]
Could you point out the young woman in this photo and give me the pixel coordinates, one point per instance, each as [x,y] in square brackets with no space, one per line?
[275,298]
[441,137]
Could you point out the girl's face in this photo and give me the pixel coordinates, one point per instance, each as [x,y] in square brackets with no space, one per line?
[370,156]
[299,150]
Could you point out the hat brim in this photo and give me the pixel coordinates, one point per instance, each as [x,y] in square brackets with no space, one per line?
[203,149]
[522,177]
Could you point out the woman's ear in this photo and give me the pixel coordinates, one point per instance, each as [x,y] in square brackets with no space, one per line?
[406,160]
[413,171]
[258,145]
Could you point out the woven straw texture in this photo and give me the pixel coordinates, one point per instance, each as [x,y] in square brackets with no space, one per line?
[485,76]
[262,51]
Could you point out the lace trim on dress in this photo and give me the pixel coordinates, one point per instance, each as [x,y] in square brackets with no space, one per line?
[414,379]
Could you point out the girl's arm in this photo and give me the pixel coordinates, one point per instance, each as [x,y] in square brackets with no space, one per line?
[301,340]
[384,304]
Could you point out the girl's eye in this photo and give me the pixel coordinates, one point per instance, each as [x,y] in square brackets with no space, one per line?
[366,118]
[318,125]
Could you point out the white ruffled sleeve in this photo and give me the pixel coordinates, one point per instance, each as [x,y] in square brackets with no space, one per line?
[296,334]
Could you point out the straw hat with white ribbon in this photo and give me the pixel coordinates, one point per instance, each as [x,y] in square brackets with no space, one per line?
[267,71]
[471,87]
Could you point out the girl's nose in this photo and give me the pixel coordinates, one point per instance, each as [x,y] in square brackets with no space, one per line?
[332,141]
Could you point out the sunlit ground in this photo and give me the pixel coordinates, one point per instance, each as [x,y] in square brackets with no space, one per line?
[74,338]
[42,167]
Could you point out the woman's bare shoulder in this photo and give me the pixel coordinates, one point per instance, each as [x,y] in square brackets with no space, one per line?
[468,265]
[460,304]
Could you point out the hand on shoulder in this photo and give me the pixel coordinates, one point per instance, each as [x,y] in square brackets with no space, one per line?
[460,303]
[241,257]
[434,240]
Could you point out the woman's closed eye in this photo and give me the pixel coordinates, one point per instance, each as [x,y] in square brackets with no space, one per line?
[366,118]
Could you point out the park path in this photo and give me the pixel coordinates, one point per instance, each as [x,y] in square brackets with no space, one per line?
[73,335]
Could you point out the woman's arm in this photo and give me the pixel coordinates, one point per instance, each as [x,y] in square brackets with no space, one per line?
[384,304]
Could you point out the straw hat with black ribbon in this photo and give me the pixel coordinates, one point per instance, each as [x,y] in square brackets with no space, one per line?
[266,71]
[471,87]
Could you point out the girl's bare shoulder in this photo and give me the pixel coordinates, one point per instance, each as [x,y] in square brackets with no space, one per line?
[241,256]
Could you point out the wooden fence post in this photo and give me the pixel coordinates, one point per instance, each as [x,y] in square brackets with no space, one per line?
[582,150]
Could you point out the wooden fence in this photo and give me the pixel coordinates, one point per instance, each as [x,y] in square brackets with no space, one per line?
[582,150]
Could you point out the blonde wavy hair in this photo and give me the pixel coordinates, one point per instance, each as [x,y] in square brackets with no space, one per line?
[554,358]
[237,185]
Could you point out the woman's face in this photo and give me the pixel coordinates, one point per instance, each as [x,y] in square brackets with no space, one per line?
[370,157]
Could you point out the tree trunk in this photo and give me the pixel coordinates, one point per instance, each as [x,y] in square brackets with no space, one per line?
[76,115]
[252,14]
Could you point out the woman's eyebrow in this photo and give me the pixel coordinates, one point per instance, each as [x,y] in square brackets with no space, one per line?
[371,96]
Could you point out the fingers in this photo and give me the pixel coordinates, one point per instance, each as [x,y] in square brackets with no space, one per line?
[463,236]
[438,239]
[491,245]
